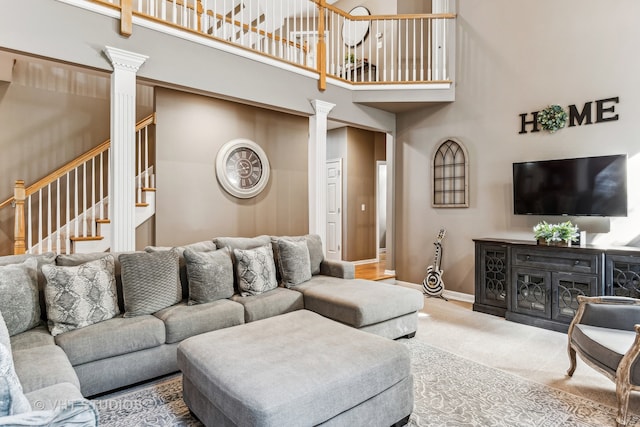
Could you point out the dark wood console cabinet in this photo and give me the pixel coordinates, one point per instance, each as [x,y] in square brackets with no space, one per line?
[539,285]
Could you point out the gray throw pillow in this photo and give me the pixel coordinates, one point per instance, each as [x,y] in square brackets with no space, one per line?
[203,246]
[293,261]
[19,301]
[210,275]
[255,270]
[150,282]
[80,296]
[43,258]
[316,254]
[13,399]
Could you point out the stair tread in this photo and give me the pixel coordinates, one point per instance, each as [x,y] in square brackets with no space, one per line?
[103,221]
[142,204]
[148,189]
[85,238]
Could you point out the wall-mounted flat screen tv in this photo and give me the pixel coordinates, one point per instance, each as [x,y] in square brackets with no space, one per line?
[593,186]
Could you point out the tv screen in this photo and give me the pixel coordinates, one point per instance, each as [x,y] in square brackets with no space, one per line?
[595,186]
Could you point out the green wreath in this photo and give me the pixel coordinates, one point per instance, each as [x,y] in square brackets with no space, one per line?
[552,118]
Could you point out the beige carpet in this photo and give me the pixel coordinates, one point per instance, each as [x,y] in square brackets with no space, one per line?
[533,353]
[518,380]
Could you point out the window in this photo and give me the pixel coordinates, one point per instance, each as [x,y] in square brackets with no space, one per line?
[450,176]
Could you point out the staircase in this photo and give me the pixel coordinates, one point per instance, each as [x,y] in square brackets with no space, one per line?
[67,211]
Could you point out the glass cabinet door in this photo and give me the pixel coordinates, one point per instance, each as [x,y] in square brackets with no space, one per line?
[566,288]
[531,292]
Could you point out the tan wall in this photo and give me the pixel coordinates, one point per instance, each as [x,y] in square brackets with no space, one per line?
[506,67]
[191,205]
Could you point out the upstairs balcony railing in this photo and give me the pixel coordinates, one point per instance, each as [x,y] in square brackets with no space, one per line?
[363,49]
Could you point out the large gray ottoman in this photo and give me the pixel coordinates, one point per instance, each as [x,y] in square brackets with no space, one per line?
[387,310]
[296,369]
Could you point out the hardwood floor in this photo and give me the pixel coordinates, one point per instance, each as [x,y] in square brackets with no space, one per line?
[373,270]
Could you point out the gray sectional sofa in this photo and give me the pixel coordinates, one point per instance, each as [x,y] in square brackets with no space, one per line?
[84,324]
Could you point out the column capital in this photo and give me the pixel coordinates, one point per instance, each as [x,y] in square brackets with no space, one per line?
[322,107]
[124,60]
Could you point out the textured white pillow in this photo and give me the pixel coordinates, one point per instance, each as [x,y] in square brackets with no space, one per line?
[255,270]
[12,399]
[80,296]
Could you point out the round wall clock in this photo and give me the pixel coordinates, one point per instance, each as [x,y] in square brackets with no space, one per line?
[242,168]
[354,32]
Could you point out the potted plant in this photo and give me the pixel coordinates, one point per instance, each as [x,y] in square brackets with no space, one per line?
[555,234]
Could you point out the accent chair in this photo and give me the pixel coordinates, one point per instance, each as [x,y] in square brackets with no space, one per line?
[605,332]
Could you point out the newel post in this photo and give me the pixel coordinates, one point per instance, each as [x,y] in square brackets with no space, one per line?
[126,17]
[19,195]
[321,51]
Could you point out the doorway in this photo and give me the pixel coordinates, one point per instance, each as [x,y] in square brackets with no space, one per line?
[381,208]
[334,209]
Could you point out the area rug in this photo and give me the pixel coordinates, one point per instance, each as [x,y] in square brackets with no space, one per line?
[449,391]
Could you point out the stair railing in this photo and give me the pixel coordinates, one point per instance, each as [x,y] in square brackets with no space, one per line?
[370,49]
[70,202]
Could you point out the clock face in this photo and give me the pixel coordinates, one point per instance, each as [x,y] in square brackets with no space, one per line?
[242,168]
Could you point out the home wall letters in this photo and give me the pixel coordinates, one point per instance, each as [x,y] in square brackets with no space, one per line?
[604,112]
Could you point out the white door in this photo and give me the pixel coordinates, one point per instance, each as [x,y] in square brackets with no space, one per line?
[334,209]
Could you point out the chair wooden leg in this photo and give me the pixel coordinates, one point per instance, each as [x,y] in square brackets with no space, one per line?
[623,390]
[572,361]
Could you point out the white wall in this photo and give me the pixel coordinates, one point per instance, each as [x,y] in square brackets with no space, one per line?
[516,57]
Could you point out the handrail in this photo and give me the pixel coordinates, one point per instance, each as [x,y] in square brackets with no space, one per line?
[63,170]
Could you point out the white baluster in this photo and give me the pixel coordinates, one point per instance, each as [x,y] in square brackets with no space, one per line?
[40,217]
[429,59]
[76,196]
[49,219]
[391,54]
[414,27]
[84,199]
[422,49]
[372,40]
[195,15]
[93,196]
[29,237]
[101,211]
[58,215]
[146,156]
[377,50]
[67,241]
[174,11]
[138,173]
[445,25]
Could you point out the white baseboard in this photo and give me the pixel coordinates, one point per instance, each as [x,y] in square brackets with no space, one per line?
[364,261]
[457,296]
[390,272]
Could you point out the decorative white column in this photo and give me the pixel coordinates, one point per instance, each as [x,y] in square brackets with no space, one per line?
[390,268]
[317,169]
[122,203]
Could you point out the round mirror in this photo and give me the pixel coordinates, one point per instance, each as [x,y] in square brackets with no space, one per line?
[354,32]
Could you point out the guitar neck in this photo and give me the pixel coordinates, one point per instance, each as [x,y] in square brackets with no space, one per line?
[436,261]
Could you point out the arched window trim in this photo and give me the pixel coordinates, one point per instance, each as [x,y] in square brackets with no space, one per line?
[450,175]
